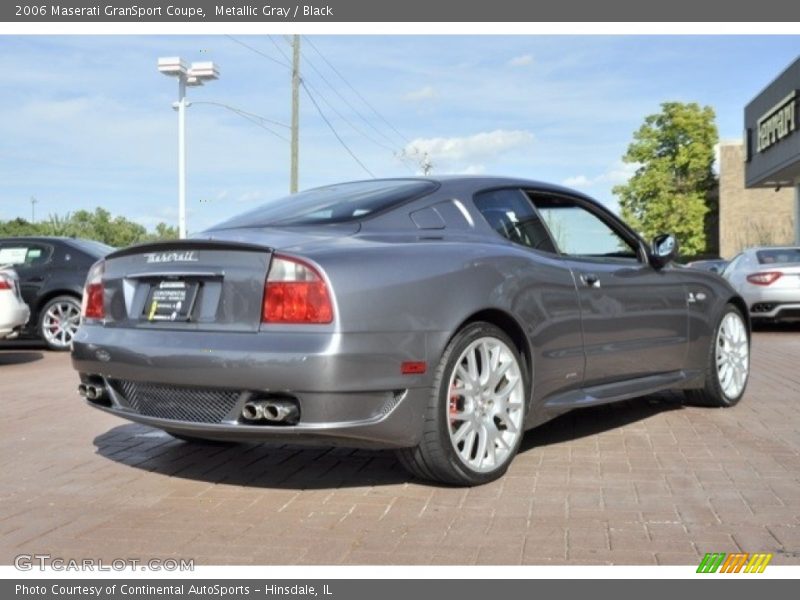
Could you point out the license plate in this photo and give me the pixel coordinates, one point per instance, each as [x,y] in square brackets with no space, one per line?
[171,300]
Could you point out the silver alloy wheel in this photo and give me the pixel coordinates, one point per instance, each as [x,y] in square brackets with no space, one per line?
[733,355]
[60,323]
[485,405]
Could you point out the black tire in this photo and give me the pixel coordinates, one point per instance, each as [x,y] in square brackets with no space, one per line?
[435,458]
[712,393]
[50,342]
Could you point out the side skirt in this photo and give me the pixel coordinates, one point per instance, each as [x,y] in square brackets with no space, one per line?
[613,392]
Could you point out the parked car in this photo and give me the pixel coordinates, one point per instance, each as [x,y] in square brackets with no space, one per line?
[14,312]
[715,265]
[52,272]
[769,281]
[441,317]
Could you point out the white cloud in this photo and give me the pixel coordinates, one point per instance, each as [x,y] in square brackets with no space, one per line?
[577,181]
[521,61]
[468,149]
[424,93]
[618,173]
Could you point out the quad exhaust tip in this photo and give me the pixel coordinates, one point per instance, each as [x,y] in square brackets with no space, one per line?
[93,392]
[275,410]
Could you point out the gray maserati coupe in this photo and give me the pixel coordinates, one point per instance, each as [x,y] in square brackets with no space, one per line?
[439,317]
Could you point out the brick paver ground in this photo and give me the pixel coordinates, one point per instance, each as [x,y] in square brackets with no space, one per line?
[648,481]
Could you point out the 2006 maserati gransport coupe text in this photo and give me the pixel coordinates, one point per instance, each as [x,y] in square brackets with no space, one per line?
[440,317]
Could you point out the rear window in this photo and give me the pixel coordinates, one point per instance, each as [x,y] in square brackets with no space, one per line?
[778,256]
[332,204]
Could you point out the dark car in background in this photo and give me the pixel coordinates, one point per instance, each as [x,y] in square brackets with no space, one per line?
[715,265]
[52,271]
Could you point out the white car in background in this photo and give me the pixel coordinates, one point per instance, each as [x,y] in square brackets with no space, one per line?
[14,312]
[768,279]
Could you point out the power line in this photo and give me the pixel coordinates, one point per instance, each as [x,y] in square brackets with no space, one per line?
[346,120]
[274,43]
[395,153]
[353,108]
[355,91]
[240,110]
[258,120]
[259,124]
[259,52]
[333,129]
[252,117]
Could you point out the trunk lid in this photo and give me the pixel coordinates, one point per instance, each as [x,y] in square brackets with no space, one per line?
[187,284]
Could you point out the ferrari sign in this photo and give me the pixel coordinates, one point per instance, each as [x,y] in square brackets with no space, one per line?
[777,123]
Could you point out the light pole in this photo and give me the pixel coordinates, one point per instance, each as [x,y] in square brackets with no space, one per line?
[188,75]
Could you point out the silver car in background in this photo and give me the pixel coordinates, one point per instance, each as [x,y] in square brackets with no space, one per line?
[14,312]
[441,317]
[769,281]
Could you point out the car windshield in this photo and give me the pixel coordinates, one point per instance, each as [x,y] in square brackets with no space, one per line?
[778,256]
[332,204]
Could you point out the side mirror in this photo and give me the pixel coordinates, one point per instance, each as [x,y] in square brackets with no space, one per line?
[664,250]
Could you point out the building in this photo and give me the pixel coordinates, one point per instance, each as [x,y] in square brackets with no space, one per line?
[771,155]
[756,216]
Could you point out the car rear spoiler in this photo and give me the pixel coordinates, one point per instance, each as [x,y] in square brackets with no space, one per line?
[184,245]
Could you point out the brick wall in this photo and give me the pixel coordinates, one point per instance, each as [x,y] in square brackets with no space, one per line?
[754,217]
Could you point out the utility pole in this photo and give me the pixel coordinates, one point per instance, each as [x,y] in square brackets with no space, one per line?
[295,113]
[33,209]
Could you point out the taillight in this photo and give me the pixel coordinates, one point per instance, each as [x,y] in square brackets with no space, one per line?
[92,305]
[295,293]
[5,283]
[765,278]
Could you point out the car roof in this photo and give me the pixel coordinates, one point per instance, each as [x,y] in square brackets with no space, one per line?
[84,245]
[473,183]
[35,238]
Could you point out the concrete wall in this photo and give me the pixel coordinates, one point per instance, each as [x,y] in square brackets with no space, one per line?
[754,217]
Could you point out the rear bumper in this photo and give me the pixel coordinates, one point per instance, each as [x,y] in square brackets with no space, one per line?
[13,317]
[349,386]
[766,302]
[789,311]
[399,427]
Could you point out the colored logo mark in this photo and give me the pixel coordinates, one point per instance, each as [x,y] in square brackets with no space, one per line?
[741,562]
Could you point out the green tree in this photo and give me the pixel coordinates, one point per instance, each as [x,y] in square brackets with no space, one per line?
[97,225]
[20,227]
[668,193]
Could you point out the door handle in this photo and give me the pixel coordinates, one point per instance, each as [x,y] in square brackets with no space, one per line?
[38,279]
[590,280]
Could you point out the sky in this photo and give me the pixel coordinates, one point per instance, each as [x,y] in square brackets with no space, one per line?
[86,121]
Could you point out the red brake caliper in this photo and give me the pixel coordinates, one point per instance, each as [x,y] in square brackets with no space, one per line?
[453,404]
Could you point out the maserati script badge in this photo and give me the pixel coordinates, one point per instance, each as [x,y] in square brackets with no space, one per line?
[167,257]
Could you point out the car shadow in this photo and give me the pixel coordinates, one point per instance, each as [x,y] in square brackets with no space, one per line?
[592,420]
[18,358]
[297,467]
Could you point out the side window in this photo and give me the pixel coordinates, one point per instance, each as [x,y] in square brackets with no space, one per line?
[581,233]
[24,255]
[510,213]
